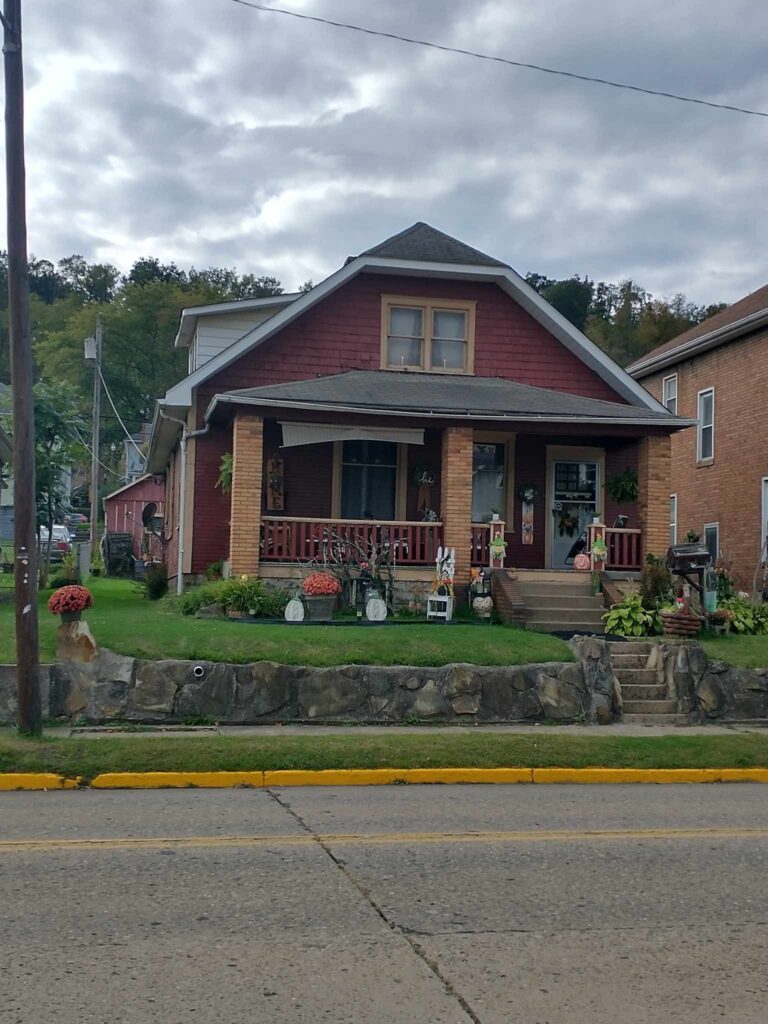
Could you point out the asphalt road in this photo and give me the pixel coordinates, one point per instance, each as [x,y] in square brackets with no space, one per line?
[521,905]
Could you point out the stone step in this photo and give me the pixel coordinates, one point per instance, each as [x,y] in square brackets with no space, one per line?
[561,608]
[628,661]
[649,707]
[557,599]
[631,692]
[636,676]
[566,627]
[640,719]
[542,589]
[629,647]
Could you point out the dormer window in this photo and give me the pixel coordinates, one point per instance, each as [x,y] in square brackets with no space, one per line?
[427,335]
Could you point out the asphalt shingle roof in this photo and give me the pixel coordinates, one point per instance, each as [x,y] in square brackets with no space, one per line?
[425,244]
[755,302]
[445,394]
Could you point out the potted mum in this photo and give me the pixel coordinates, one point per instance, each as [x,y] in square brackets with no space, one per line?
[70,603]
[320,592]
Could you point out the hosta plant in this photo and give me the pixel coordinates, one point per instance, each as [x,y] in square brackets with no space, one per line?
[630,618]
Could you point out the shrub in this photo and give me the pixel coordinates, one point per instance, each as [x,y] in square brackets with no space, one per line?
[655,583]
[60,579]
[215,570]
[630,618]
[73,598]
[321,584]
[155,582]
[191,601]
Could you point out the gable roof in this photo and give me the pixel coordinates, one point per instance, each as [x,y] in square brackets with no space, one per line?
[127,487]
[192,314]
[394,392]
[742,317]
[180,396]
[423,243]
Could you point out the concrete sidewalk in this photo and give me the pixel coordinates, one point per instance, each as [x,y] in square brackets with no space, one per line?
[617,730]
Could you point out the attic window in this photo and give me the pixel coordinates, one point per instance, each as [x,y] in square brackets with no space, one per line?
[427,335]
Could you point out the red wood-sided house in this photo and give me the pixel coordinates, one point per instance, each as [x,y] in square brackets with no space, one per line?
[407,398]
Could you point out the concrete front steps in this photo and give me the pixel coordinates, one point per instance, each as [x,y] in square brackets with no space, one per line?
[560,602]
[645,699]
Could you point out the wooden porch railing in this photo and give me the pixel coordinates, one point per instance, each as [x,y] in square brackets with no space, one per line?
[285,539]
[623,549]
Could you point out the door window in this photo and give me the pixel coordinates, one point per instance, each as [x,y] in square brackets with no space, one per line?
[574,505]
[368,479]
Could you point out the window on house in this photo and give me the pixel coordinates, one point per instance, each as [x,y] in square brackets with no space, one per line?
[669,394]
[488,464]
[712,540]
[423,335]
[368,479]
[705,448]
[764,518]
[673,519]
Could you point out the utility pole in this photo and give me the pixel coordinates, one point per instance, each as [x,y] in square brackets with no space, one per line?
[93,354]
[24,506]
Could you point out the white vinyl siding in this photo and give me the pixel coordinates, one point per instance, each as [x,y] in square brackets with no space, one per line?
[215,333]
[705,430]
[673,519]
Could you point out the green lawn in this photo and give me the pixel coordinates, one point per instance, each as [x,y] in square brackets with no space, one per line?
[744,651]
[124,622]
[474,748]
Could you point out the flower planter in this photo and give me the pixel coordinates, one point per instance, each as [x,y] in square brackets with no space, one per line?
[67,617]
[320,608]
[679,624]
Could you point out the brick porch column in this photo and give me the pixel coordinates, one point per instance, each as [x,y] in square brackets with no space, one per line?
[245,516]
[456,496]
[654,476]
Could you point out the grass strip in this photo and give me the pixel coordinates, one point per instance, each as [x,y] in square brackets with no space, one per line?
[75,756]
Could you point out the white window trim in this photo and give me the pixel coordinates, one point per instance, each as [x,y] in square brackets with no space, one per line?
[664,399]
[716,528]
[673,521]
[699,425]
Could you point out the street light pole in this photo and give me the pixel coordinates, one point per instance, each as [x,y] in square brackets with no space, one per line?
[93,354]
[24,505]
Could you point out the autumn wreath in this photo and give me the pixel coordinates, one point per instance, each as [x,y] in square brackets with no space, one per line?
[70,599]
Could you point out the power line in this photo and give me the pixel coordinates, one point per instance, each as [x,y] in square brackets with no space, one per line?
[88,448]
[114,407]
[501,60]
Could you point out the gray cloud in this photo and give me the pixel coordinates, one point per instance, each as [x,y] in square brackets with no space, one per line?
[205,133]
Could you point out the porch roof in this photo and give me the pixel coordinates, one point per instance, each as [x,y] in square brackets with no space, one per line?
[435,395]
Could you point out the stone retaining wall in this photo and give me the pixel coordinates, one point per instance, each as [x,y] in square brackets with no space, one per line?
[109,687]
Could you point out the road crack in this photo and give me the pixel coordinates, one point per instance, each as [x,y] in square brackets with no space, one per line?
[404,933]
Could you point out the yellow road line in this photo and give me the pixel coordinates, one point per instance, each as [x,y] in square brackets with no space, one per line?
[377,839]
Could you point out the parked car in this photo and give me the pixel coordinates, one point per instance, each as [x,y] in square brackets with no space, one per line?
[61,544]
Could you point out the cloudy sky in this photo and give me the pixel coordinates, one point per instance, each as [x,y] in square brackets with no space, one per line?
[204,132]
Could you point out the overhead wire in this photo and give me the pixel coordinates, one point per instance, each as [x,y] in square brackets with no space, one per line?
[119,420]
[397,37]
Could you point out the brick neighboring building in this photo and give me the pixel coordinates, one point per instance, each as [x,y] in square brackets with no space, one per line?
[416,393]
[717,373]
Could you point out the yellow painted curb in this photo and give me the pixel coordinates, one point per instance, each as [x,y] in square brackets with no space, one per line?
[178,780]
[587,776]
[35,780]
[390,776]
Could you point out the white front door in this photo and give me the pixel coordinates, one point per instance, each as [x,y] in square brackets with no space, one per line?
[575,490]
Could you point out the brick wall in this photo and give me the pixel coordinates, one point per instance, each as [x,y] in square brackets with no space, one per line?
[654,479]
[245,517]
[456,495]
[728,491]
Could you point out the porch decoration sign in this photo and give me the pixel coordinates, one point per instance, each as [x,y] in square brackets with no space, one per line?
[275,485]
[527,496]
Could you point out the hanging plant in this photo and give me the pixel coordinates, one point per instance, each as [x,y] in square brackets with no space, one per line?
[224,482]
[623,487]
[528,493]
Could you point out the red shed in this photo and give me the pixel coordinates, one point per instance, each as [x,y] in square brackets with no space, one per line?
[123,510]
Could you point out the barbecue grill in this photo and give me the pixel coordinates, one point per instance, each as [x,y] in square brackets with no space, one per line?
[685,558]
